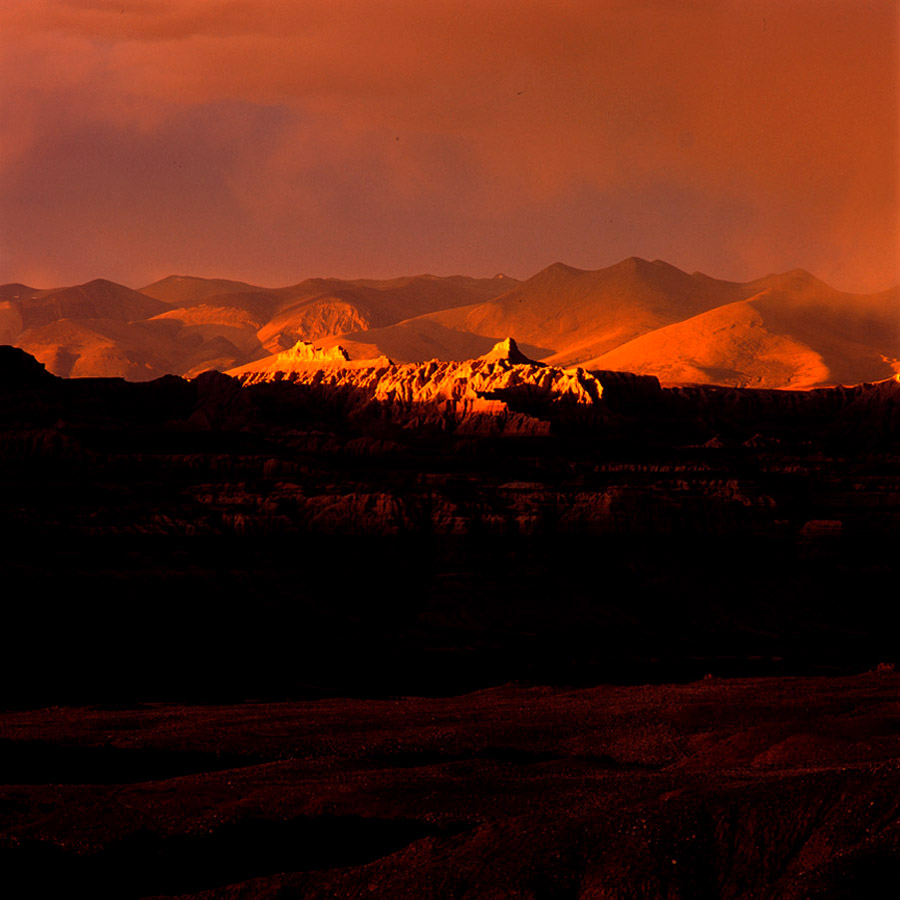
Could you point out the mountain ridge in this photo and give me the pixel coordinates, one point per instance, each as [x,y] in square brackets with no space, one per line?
[783,330]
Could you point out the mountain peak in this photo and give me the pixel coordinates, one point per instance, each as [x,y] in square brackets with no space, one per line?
[103,284]
[562,267]
[797,276]
[795,279]
[508,350]
[638,265]
[169,279]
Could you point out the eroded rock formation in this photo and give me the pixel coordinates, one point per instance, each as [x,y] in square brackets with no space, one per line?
[502,391]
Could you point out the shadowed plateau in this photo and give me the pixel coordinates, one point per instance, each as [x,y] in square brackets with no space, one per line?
[346,628]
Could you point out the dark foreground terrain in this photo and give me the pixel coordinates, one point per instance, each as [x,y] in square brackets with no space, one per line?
[225,609]
[763,788]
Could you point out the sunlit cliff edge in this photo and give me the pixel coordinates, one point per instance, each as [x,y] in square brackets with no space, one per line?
[503,390]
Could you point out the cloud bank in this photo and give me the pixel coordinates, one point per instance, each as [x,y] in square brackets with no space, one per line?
[271,141]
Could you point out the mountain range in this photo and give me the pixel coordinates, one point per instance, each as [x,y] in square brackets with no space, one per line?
[787,330]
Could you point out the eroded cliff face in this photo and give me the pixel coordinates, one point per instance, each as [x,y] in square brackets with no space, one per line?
[322,445]
[500,392]
[701,502]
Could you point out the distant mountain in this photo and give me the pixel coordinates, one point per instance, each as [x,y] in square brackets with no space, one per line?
[186,290]
[99,299]
[89,329]
[186,325]
[783,330]
[321,307]
[787,330]
[791,331]
[578,314]
[563,315]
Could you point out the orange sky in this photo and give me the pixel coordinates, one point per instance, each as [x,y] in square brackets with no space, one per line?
[273,141]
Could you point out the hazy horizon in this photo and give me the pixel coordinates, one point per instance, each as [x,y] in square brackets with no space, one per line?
[226,276]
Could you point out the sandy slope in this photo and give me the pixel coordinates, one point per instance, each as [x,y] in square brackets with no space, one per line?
[795,332]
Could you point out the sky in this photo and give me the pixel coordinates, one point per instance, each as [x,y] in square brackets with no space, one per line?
[275,140]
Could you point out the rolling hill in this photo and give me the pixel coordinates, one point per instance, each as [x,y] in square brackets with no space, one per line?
[795,332]
[787,330]
[185,325]
[783,330]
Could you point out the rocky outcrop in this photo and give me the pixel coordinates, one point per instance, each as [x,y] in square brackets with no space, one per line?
[375,448]
[501,392]
[305,352]
[508,350]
